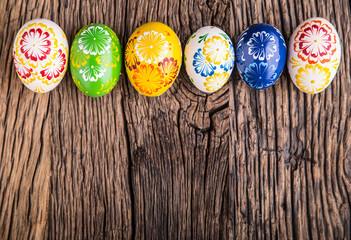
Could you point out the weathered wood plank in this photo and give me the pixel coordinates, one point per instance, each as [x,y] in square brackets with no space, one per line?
[25,130]
[235,164]
[290,153]
[90,184]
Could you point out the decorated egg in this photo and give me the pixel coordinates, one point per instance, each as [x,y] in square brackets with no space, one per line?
[209,58]
[261,55]
[314,55]
[153,57]
[95,60]
[40,55]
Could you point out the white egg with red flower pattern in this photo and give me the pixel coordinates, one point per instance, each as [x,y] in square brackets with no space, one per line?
[314,55]
[40,55]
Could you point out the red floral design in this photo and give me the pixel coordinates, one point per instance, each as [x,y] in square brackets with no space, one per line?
[315,42]
[35,44]
[23,71]
[57,67]
[169,69]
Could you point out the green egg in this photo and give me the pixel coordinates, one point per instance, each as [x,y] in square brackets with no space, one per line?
[95,60]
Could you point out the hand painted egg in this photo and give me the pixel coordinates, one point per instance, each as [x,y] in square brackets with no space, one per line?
[95,60]
[209,58]
[153,58]
[261,55]
[314,55]
[40,55]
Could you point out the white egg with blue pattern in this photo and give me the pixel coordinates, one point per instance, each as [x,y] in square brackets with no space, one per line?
[209,58]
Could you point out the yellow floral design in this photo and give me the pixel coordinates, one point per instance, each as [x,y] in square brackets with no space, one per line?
[25,73]
[79,85]
[107,87]
[313,78]
[151,47]
[78,57]
[216,81]
[153,57]
[39,89]
[295,63]
[148,79]
[63,34]
[216,50]
[131,58]
[335,63]
[109,60]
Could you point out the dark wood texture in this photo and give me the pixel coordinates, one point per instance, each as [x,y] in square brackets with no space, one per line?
[237,164]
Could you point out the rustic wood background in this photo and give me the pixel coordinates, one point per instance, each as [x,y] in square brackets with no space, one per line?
[243,164]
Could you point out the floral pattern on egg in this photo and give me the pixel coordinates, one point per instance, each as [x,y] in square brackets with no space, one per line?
[314,55]
[261,53]
[95,60]
[209,58]
[153,58]
[40,55]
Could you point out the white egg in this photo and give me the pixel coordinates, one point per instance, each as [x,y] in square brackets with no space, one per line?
[314,55]
[40,55]
[209,58]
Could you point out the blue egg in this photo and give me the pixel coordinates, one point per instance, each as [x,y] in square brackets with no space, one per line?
[261,55]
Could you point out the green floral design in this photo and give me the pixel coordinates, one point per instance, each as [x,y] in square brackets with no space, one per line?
[94,40]
[203,38]
[95,67]
[192,36]
[225,36]
[109,60]
[78,58]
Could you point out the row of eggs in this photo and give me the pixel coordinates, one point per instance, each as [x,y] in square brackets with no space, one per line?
[153,57]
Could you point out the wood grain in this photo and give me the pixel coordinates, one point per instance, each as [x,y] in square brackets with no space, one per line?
[239,163]
[290,152]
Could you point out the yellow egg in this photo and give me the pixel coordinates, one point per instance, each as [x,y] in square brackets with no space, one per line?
[153,58]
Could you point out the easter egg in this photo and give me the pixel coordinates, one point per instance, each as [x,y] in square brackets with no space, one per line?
[95,60]
[153,57]
[261,55]
[314,54]
[209,58]
[40,55]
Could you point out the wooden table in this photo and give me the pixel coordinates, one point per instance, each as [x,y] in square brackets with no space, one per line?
[239,163]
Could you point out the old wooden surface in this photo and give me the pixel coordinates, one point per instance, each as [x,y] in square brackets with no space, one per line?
[235,164]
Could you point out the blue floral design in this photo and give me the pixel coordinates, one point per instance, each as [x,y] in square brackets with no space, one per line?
[260,76]
[239,48]
[201,65]
[262,45]
[280,36]
[229,64]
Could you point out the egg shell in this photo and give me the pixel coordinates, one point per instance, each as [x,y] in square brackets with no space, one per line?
[40,55]
[314,55]
[95,60]
[261,54]
[209,58]
[153,57]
